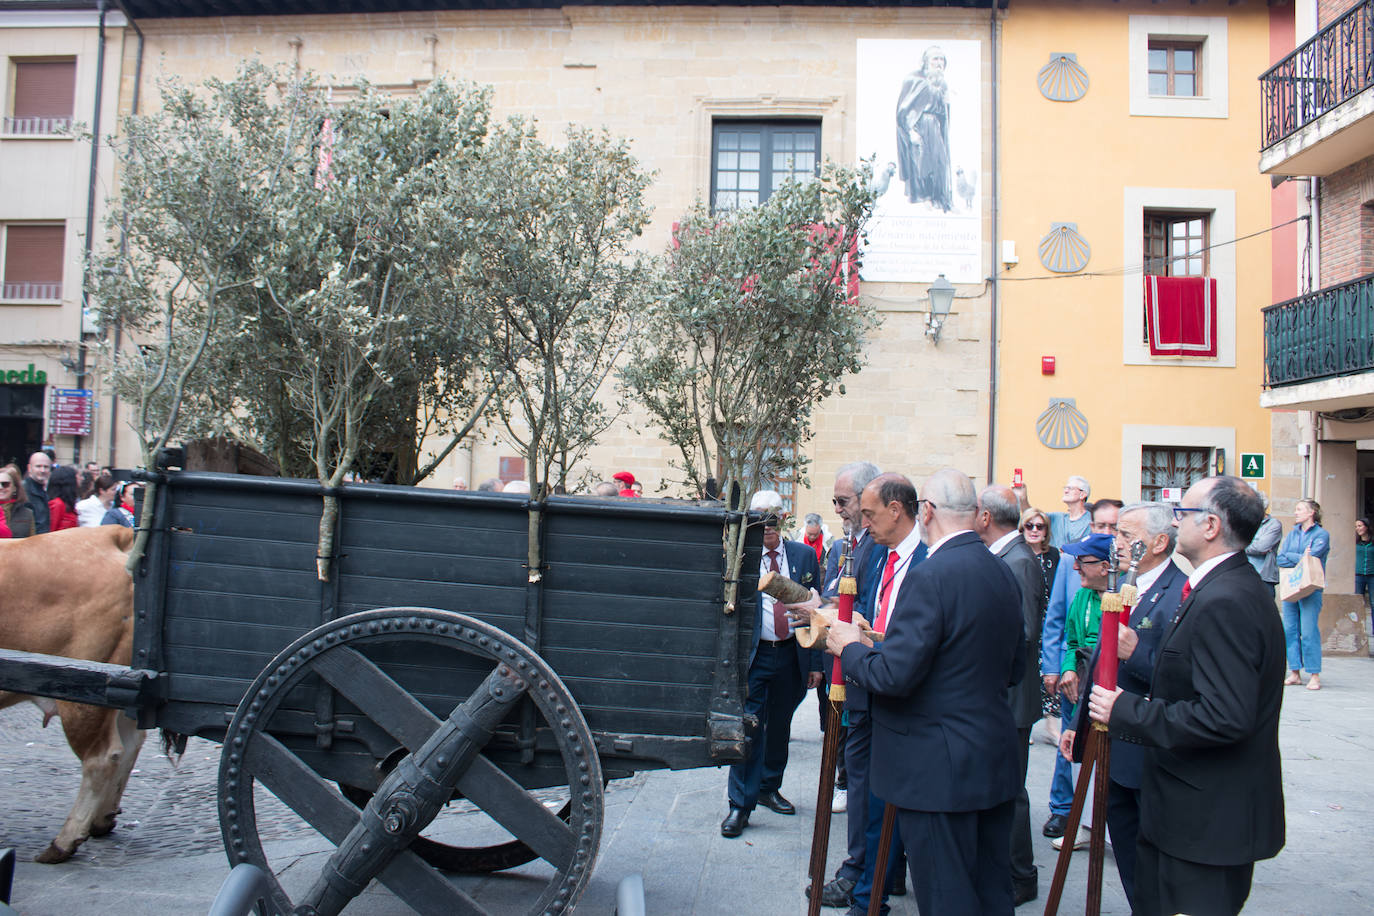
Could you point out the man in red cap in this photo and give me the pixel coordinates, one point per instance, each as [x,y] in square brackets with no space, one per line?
[627,482]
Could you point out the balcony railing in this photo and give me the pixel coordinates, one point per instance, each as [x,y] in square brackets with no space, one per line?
[1320,335]
[1334,65]
[36,127]
[26,292]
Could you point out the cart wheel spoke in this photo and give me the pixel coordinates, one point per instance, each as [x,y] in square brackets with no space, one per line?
[519,812]
[424,889]
[300,788]
[374,692]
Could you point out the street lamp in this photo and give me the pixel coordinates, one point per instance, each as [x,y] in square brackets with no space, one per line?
[941,298]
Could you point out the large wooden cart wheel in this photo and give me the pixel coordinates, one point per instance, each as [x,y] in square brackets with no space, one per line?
[445,755]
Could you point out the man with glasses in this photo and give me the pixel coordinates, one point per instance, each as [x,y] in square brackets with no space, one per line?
[1062,591]
[36,488]
[1159,583]
[869,557]
[1075,522]
[1211,794]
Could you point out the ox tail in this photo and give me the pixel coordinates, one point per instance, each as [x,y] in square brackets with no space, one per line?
[173,745]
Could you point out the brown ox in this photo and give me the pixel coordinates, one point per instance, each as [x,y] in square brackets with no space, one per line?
[67,594]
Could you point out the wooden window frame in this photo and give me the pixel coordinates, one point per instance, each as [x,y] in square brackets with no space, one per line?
[769,130]
[1162,264]
[27,291]
[1170,71]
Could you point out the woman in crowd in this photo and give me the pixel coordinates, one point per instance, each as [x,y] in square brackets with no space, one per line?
[62,505]
[92,509]
[1300,617]
[118,514]
[1035,530]
[1364,560]
[18,516]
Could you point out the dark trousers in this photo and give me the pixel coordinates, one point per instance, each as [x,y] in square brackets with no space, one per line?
[1022,852]
[1166,885]
[856,754]
[863,891]
[960,861]
[776,686]
[1123,823]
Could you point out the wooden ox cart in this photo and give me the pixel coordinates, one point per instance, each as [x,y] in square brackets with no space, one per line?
[433,672]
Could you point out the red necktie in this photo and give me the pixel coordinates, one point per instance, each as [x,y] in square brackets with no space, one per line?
[885,591]
[780,629]
[1187,590]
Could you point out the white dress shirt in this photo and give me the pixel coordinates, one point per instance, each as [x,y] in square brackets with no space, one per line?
[767,631]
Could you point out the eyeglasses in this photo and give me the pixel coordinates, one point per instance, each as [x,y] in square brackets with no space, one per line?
[1181,512]
[1081,560]
[841,500]
[5,484]
[1036,526]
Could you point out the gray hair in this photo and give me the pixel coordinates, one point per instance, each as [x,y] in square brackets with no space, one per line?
[1001,504]
[859,473]
[1082,484]
[813,518]
[766,500]
[606,488]
[1159,519]
[951,493]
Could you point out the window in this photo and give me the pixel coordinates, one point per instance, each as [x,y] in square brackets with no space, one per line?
[1170,466]
[44,96]
[752,159]
[1175,68]
[33,256]
[1175,245]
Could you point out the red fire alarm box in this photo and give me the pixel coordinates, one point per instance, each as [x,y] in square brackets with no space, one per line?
[1047,365]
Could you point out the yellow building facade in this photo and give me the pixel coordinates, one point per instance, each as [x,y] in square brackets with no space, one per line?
[1087,177]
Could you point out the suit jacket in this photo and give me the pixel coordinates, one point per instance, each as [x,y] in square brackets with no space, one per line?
[1150,619]
[869,561]
[1211,791]
[943,734]
[803,569]
[1025,567]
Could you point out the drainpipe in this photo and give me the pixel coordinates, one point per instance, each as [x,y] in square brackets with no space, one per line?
[123,242]
[992,346]
[90,216]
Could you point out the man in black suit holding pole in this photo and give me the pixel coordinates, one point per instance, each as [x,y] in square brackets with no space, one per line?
[1211,795]
[944,740]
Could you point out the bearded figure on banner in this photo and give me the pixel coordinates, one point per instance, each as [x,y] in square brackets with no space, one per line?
[923,132]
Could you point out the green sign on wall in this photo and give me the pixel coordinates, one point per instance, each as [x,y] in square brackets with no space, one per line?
[1252,465]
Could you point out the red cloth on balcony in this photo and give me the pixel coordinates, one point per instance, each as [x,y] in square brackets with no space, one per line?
[1181,314]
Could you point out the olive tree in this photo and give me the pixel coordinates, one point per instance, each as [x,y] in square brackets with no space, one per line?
[755,320]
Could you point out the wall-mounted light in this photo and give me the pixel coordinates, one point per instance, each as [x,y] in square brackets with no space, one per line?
[941,298]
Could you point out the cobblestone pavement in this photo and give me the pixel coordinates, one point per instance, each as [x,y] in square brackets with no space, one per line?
[165,856]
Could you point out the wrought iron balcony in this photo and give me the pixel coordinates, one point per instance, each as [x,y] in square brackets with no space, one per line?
[1333,66]
[1320,335]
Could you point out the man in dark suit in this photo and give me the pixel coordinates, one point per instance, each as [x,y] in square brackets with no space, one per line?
[944,740]
[780,673]
[1211,794]
[1159,584]
[869,556]
[997,522]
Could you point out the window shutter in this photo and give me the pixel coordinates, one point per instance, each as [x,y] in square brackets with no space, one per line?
[44,88]
[33,261]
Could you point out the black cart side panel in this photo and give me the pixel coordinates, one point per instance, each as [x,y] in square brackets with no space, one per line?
[629,600]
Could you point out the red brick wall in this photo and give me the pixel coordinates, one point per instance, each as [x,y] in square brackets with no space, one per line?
[1329,11]
[1347,224]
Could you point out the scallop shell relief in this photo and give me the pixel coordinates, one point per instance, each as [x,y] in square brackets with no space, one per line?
[1063,250]
[1063,79]
[1061,425]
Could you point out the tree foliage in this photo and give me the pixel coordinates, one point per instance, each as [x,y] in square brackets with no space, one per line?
[755,321]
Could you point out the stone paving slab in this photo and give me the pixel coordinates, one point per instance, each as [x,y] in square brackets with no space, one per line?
[165,856]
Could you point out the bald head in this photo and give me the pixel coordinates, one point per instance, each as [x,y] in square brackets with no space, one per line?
[40,468]
[950,504]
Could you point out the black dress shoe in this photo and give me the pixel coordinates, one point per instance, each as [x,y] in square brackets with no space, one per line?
[839,892]
[1024,892]
[734,822]
[774,801]
[1054,827]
